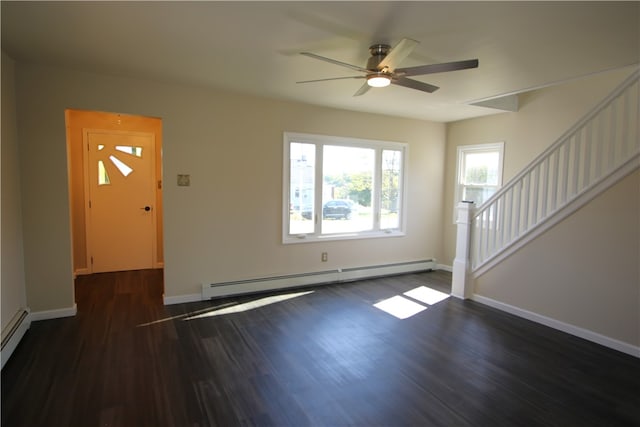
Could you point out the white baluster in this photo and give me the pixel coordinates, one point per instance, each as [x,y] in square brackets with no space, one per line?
[526,195]
[602,124]
[535,194]
[565,174]
[545,188]
[555,181]
[612,137]
[588,148]
[575,153]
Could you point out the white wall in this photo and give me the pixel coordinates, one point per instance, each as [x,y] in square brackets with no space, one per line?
[12,290]
[227,225]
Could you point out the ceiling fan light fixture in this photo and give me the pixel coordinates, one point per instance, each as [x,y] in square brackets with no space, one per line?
[378,80]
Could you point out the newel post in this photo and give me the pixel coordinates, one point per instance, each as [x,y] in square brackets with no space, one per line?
[461,283]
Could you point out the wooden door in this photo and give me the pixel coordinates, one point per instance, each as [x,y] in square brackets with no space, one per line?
[120,179]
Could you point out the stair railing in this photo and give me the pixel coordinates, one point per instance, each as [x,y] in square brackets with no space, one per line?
[601,143]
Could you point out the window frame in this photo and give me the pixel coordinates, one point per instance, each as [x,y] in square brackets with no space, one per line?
[475,148]
[319,141]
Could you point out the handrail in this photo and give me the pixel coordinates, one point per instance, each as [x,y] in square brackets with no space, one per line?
[598,144]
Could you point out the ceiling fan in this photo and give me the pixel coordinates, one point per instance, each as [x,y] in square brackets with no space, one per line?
[381,69]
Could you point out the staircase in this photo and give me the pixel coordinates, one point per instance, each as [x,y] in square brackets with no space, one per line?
[590,157]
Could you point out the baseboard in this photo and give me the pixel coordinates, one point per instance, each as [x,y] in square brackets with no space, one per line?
[444,267]
[13,333]
[561,326]
[54,314]
[81,272]
[315,278]
[180,299]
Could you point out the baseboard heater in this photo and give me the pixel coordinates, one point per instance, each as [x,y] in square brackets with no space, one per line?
[13,333]
[215,290]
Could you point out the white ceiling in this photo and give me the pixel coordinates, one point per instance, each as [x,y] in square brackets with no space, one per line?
[253,47]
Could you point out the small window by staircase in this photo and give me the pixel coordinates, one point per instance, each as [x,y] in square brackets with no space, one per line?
[478,172]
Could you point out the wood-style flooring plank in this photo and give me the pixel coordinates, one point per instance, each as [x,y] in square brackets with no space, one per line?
[326,357]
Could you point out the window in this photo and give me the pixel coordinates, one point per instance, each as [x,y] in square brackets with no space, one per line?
[478,173]
[342,188]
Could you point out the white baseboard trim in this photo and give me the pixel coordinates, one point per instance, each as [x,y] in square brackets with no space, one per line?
[444,267]
[13,333]
[54,314]
[180,299]
[561,326]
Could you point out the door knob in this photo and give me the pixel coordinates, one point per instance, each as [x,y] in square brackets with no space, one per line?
[147,208]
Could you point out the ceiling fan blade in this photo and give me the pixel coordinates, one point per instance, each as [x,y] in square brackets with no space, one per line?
[414,84]
[398,54]
[333,61]
[363,89]
[331,78]
[437,68]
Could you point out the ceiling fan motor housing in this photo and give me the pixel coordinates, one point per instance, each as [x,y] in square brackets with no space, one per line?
[378,53]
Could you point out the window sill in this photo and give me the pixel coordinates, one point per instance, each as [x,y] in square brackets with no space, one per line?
[311,238]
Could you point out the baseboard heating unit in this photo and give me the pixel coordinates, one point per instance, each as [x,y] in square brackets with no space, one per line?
[215,290]
[13,333]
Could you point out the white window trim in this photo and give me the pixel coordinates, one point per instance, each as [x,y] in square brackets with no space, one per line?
[319,141]
[461,149]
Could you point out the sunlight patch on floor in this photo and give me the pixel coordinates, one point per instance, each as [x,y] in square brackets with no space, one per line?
[427,295]
[182,316]
[228,308]
[400,307]
[250,305]
[419,300]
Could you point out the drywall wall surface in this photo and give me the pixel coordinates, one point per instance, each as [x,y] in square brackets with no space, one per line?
[227,225]
[543,117]
[585,271]
[12,293]
[45,204]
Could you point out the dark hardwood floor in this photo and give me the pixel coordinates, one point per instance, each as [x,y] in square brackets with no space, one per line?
[324,358]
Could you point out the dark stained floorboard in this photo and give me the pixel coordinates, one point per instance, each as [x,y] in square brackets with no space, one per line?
[326,358]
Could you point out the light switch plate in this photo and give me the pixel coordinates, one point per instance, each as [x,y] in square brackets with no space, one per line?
[184,180]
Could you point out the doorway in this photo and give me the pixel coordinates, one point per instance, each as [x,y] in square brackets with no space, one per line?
[115,188]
